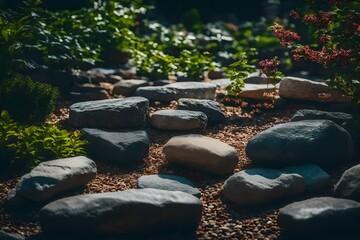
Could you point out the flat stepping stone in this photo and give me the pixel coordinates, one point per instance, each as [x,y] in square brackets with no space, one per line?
[169,183]
[257,91]
[162,82]
[349,184]
[52,178]
[130,211]
[320,142]
[259,186]
[121,148]
[209,107]
[178,120]
[113,113]
[304,89]
[316,179]
[202,153]
[128,87]
[320,215]
[255,78]
[178,90]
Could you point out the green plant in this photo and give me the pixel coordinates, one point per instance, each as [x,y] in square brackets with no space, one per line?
[23,147]
[26,100]
[237,72]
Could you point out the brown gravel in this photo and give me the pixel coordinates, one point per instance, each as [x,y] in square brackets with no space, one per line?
[221,219]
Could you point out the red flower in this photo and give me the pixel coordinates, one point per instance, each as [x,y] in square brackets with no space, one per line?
[294,14]
[286,37]
[269,65]
[320,19]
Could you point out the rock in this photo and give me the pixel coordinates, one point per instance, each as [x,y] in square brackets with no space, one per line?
[51,178]
[256,78]
[121,148]
[257,91]
[209,107]
[128,87]
[89,96]
[156,93]
[320,142]
[316,179]
[162,82]
[169,183]
[216,73]
[115,79]
[320,215]
[129,112]
[136,210]
[345,120]
[201,152]
[262,186]
[349,184]
[175,91]
[304,89]
[10,236]
[222,83]
[178,120]
[87,87]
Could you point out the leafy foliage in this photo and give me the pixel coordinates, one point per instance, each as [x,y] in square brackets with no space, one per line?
[23,147]
[26,100]
[237,72]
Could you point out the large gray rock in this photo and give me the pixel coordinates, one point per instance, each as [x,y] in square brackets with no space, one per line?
[54,177]
[321,142]
[262,186]
[178,90]
[178,120]
[345,120]
[349,184]
[201,152]
[320,215]
[129,112]
[316,179]
[169,183]
[257,91]
[304,89]
[136,210]
[122,148]
[128,87]
[209,107]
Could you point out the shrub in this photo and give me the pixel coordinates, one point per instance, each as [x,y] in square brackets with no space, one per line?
[23,147]
[28,101]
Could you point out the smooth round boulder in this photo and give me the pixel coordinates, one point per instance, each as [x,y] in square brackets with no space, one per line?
[129,112]
[259,186]
[320,142]
[179,120]
[169,183]
[349,184]
[51,178]
[130,211]
[304,89]
[320,215]
[202,153]
[121,148]
[316,179]
[209,107]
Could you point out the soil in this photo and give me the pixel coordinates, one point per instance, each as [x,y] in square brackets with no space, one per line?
[221,219]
